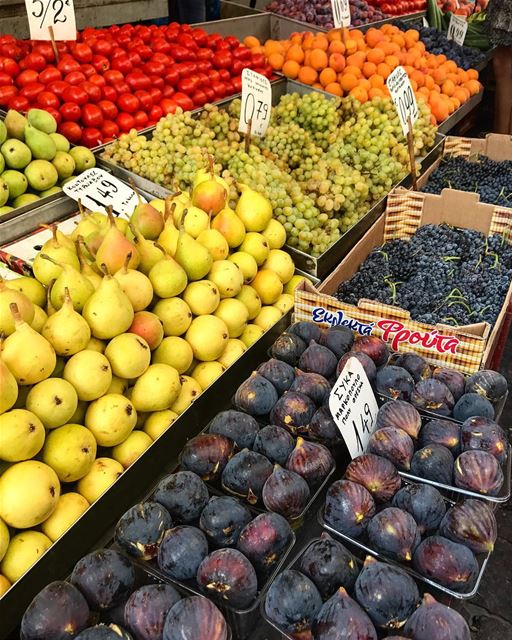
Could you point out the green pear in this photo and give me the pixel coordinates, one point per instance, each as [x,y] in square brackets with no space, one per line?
[111,419]
[16,182]
[168,238]
[83,157]
[42,120]
[195,221]
[41,175]
[25,306]
[4,210]
[60,252]
[4,192]
[202,296]
[157,388]
[25,199]
[53,401]
[39,143]
[79,286]
[192,256]
[66,330]
[2,162]
[3,132]
[215,242]
[16,153]
[15,124]
[228,277]
[207,335]
[108,311]
[251,299]
[61,142]
[64,164]
[168,278]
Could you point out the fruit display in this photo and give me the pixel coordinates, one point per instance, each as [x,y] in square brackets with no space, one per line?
[411,524]
[350,62]
[35,160]
[122,77]
[319,12]
[477,34]
[320,163]
[122,326]
[438,285]
[129,603]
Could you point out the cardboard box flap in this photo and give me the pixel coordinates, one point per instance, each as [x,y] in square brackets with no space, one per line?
[497,146]
[458,209]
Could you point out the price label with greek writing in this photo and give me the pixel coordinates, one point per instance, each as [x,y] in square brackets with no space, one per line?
[457,29]
[353,407]
[403,96]
[47,15]
[97,189]
[341,13]
[256,103]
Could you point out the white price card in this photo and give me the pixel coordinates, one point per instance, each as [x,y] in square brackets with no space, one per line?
[57,14]
[256,103]
[403,96]
[97,189]
[457,29]
[341,13]
[354,407]
[425,22]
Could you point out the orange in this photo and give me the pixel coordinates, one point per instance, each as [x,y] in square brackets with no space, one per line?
[348,81]
[455,101]
[318,59]
[448,88]
[383,70]
[291,69]
[398,39]
[317,85]
[276,61]
[357,59]
[334,88]
[376,81]
[364,84]
[320,42]
[392,61]
[296,53]
[429,82]
[450,66]
[334,35]
[412,34]
[369,69]
[423,91]
[251,41]
[439,111]
[307,75]
[327,76]
[337,62]
[355,71]
[376,55]
[463,76]
[336,46]
[359,93]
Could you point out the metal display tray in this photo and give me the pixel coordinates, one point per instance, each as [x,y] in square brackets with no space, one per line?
[459,114]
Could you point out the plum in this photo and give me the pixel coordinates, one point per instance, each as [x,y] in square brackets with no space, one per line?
[104,577]
[323,428]
[223,519]
[454,380]
[183,494]
[104,632]
[473,404]
[433,462]
[329,565]
[147,608]
[245,474]
[195,618]
[348,507]
[377,474]
[425,504]
[394,533]
[434,396]
[341,618]
[264,540]
[484,434]
[286,492]
[478,471]
[289,347]
[448,563]
[471,522]
[373,347]
[293,411]
[207,454]
[489,384]
[226,574]
[311,460]
[366,362]
[400,415]
[394,444]
[141,529]
[182,550]
[279,373]
[312,385]
[338,339]
[417,366]
[275,443]
[292,602]
[394,382]
[306,330]
[388,594]
[256,395]
[318,359]
[58,612]
[239,427]
[435,620]
[444,432]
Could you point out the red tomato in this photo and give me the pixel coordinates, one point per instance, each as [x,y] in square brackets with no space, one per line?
[214,75]
[157,81]
[135,59]
[108,109]
[237,84]
[212,40]
[224,75]
[168,106]
[187,41]
[141,119]
[20,103]
[162,57]
[109,129]
[180,54]
[210,94]
[11,51]
[145,52]
[35,61]
[128,102]
[47,99]
[67,64]
[93,91]
[156,94]
[183,101]
[70,111]
[219,88]
[98,80]
[7,93]
[172,77]
[92,115]
[137,80]
[145,99]
[5,78]
[222,46]
[91,137]
[199,98]
[257,60]
[32,90]
[49,75]
[189,85]
[155,113]
[168,91]
[88,70]
[200,36]
[109,93]
[10,67]
[237,67]
[100,63]
[125,121]
[113,75]
[205,54]
[121,87]
[82,52]
[161,46]
[154,67]
[75,94]
[203,66]
[102,47]
[122,64]
[44,49]
[26,77]
[144,33]
[232,41]
[242,53]
[58,87]
[75,77]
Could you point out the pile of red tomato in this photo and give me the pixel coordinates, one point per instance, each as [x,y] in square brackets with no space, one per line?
[112,80]
[399,7]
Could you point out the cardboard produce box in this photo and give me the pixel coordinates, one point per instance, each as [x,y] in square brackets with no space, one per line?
[465,348]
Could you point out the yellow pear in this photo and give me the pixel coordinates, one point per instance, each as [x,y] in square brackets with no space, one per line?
[118,385]
[103,473]
[4,539]
[275,234]
[149,252]
[115,247]
[21,435]
[63,253]
[284,303]
[39,320]
[9,388]
[90,373]
[195,221]
[66,330]
[215,242]
[129,355]
[135,285]
[251,334]
[53,401]
[111,419]
[293,283]
[30,287]
[257,246]
[205,373]
[267,317]
[235,315]
[253,209]
[10,296]
[207,335]
[168,278]
[156,389]
[168,238]
[68,510]
[281,263]
[134,446]
[202,297]
[190,390]
[158,422]
[230,226]
[249,296]
[174,351]
[228,277]
[86,268]
[80,288]
[234,349]
[70,451]
[147,325]
[175,315]
[5,585]
[247,264]
[95,344]
[268,286]
[23,551]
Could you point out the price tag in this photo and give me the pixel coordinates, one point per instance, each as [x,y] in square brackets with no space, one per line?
[256,103]
[97,189]
[57,14]
[341,13]
[403,96]
[425,22]
[457,29]
[353,407]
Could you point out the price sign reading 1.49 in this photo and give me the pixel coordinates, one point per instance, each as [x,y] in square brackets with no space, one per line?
[256,103]
[457,29]
[47,15]
[341,13]
[403,96]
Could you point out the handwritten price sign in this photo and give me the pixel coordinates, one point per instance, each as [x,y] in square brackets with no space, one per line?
[341,13]
[403,96]
[457,29]
[47,15]
[256,103]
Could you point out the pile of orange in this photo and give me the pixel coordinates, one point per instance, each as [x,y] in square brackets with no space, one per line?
[350,62]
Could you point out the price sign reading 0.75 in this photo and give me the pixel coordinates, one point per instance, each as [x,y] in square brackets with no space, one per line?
[403,96]
[55,15]
[256,103]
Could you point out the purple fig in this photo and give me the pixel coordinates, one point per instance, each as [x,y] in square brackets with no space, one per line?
[323,428]
[306,330]
[275,443]
[310,460]
[434,396]
[473,404]
[443,432]
[425,504]
[256,395]
[486,435]
[264,540]
[435,620]
[454,380]
[207,454]
[471,522]
[489,384]
[341,618]
[394,382]
[181,552]
[312,385]
[366,362]
[401,415]
[433,462]
[183,494]
[318,359]
[393,444]
[286,492]
[289,347]
[293,411]
[147,608]
[279,373]
[377,474]
[223,519]
[338,339]
[141,529]
[237,426]
[394,533]
[292,602]
[478,471]
[245,474]
[104,632]
[348,507]
[417,366]
[195,618]
[448,563]
[373,347]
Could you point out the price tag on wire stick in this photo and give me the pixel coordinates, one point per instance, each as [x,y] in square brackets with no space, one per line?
[341,13]
[51,19]
[354,407]
[403,96]
[457,29]
[256,103]
[97,189]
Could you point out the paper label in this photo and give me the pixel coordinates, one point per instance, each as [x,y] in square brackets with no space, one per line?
[58,14]
[354,407]
[341,13]
[256,103]
[403,96]
[97,189]
[457,29]
[425,22]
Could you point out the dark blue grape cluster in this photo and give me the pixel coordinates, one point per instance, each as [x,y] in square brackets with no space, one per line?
[443,274]
[491,179]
